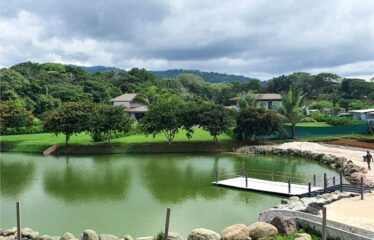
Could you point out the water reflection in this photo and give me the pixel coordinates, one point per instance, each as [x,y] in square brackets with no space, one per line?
[16,177]
[176,181]
[102,180]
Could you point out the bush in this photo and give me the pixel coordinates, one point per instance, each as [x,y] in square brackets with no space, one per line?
[36,128]
[318,116]
[340,121]
[308,120]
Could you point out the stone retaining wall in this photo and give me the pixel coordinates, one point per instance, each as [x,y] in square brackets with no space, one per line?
[334,229]
[351,171]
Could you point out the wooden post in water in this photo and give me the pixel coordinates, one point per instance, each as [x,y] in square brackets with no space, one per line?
[167,223]
[324,182]
[246,181]
[18,212]
[324,224]
[362,188]
[289,186]
[314,180]
[310,189]
[341,180]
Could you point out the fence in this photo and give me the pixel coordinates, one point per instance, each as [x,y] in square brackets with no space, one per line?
[328,131]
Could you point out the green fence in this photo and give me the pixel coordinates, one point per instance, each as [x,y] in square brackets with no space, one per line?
[329,131]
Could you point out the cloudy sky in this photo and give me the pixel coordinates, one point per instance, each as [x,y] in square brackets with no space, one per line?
[256,38]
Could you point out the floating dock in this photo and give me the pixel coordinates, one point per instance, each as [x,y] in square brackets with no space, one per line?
[268,186]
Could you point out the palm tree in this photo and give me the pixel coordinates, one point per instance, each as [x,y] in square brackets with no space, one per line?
[291,107]
[247,99]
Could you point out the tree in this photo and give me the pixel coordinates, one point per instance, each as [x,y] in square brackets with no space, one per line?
[215,119]
[247,99]
[70,118]
[107,119]
[14,115]
[164,116]
[291,107]
[257,122]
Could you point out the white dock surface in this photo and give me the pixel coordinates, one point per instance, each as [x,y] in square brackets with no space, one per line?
[266,186]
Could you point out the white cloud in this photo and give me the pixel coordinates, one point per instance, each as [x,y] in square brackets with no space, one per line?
[255,38]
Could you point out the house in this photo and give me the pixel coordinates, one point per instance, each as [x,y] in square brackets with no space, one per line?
[363,114]
[269,100]
[133,107]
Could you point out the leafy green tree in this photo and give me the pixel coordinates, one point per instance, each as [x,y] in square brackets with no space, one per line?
[106,120]
[257,122]
[292,102]
[70,118]
[247,99]
[14,115]
[164,116]
[215,119]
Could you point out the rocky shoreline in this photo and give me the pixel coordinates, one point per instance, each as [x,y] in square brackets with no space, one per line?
[351,171]
[255,231]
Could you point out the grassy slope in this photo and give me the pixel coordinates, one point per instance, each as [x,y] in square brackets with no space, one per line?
[40,142]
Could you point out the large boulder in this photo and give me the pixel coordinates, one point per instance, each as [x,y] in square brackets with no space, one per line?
[235,232]
[128,237]
[303,236]
[47,237]
[284,225]
[262,230]
[68,236]
[107,237]
[203,234]
[174,236]
[10,231]
[90,235]
[29,233]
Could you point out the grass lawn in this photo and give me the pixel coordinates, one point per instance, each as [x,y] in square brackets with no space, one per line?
[311,124]
[40,142]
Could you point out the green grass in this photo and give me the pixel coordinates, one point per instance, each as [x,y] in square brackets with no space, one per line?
[40,142]
[311,124]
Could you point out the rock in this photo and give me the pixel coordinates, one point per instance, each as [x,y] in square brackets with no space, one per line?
[145,238]
[284,225]
[128,237]
[68,236]
[235,232]
[90,235]
[47,237]
[174,236]
[303,236]
[203,234]
[262,230]
[11,231]
[107,237]
[29,233]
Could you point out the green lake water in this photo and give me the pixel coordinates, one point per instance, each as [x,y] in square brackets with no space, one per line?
[122,193]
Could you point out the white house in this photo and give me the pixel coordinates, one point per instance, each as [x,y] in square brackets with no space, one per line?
[364,114]
[133,108]
[268,100]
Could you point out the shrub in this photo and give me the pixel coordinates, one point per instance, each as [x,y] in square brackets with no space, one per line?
[340,121]
[318,116]
[307,120]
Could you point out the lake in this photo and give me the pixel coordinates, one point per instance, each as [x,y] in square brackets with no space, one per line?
[121,193]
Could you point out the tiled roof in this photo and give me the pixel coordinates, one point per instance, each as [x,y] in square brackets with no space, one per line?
[127,97]
[140,109]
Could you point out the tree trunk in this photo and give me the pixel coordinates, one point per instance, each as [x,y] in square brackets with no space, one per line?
[215,140]
[67,137]
[293,130]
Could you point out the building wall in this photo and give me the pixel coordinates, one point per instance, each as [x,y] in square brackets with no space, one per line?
[125,104]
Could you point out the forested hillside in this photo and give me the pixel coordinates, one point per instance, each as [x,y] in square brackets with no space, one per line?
[30,89]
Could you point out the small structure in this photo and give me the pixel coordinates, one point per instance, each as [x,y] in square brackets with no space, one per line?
[363,114]
[268,100]
[134,108]
[271,100]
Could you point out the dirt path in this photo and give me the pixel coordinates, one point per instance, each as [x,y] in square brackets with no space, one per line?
[353,211]
[351,153]
[360,143]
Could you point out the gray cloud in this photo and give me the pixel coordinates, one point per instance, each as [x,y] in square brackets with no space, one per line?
[255,38]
